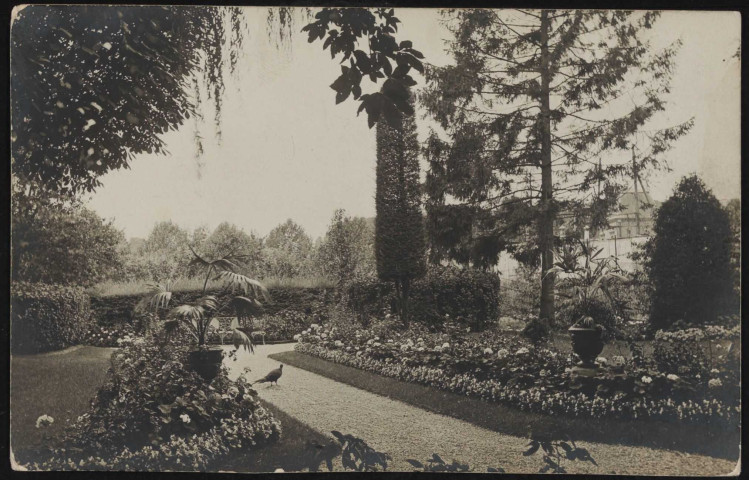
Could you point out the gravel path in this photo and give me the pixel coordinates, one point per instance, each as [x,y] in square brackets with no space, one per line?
[405,431]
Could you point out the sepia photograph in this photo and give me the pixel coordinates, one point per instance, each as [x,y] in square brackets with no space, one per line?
[375,239]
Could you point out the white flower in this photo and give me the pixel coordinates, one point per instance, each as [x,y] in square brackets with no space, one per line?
[672,377]
[185,418]
[618,360]
[297,337]
[602,360]
[324,335]
[233,391]
[714,383]
[715,371]
[522,351]
[44,421]
[390,340]
[646,379]
[445,346]
[404,348]
[488,351]
[420,349]
[419,340]
[315,326]
[503,352]
[338,343]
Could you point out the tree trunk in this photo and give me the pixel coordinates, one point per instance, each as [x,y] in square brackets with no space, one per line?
[546,220]
[405,292]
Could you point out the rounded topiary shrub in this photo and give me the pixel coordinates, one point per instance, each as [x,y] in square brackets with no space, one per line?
[47,317]
[688,259]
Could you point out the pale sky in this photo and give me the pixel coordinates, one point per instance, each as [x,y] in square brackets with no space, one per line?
[288,151]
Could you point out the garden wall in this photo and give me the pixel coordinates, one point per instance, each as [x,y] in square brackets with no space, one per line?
[115,309]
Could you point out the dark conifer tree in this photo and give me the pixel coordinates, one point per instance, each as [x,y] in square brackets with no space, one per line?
[400,243]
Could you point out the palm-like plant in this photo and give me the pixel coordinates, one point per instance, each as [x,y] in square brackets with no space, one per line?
[198,318]
[584,277]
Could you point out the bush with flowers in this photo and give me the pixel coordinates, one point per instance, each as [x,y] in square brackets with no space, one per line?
[108,336]
[154,413]
[510,369]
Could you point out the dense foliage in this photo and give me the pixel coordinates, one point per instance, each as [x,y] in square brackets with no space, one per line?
[537,378]
[522,106]
[688,259]
[400,238]
[469,296]
[120,75]
[153,413]
[287,251]
[73,246]
[47,317]
[347,251]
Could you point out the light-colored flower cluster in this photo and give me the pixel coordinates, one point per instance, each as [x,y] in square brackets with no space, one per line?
[44,421]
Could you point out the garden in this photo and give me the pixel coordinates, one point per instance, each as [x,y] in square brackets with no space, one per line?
[385,338]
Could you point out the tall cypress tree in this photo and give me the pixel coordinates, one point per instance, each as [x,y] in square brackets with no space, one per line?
[400,243]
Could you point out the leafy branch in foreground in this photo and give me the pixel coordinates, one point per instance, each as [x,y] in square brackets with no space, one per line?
[357,455]
[344,27]
[556,451]
[436,464]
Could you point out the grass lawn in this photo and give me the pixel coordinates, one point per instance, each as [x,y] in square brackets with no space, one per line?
[61,385]
[503,419]
[58,384]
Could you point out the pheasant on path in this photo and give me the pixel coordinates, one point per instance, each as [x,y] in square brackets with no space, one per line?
[272,377]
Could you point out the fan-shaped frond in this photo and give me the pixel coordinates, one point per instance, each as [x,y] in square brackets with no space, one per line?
[158,295]
[207,303]
[245,307]
[241,338]
[248,285]
[225,263]
[187,312]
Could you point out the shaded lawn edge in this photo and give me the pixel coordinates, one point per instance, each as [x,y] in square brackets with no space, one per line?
[293,451]
[503,419]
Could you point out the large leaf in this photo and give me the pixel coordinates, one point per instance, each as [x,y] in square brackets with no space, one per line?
[248,285]
[245,307]
[241,338]
[187,312]
[208,303]
[158,295]
[225,263]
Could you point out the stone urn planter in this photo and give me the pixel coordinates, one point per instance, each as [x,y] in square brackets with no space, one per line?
[206,362]
[586,343]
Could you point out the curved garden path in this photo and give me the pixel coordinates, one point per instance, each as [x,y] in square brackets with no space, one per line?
[405,431]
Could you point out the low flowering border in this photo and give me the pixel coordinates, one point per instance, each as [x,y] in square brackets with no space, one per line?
[536,399]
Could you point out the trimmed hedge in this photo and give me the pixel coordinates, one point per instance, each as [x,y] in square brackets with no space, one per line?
[47,317]
[116,309]
[470,297]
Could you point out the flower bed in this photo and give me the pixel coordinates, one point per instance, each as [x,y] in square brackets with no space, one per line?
[153,413]
[537,379]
